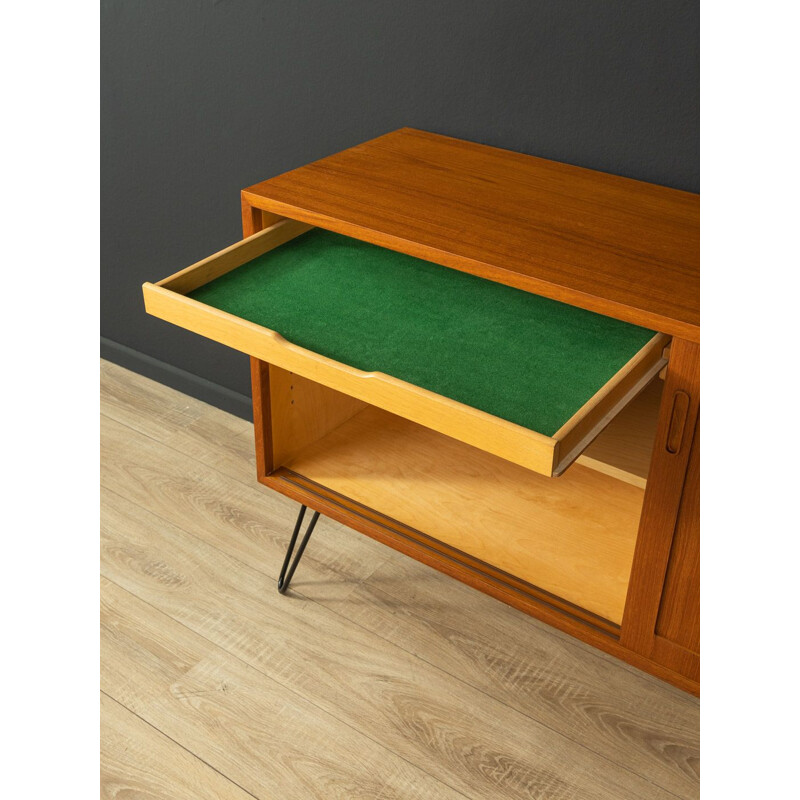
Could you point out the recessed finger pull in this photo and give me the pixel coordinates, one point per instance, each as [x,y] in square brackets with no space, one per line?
[677,422]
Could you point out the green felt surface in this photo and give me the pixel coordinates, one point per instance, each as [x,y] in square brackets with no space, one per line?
[518,356]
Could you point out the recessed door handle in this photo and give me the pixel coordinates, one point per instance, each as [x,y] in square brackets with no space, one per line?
[677,421]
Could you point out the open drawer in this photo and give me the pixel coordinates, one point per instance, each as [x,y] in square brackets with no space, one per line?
[522,377]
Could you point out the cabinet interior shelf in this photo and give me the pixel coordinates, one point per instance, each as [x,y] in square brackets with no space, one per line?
[572,536]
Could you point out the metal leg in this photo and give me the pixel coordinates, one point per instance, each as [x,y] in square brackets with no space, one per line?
[285,578]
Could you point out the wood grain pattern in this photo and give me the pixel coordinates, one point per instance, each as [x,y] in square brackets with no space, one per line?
[661,501]
[181,490]
[138,761]
[194,428]
[633,722]
[677,658]
[302,411]
[262,416]
[251,219]
[267,740]
[623,450]
[234,717]
[256,219]
[145,404]
[573,537]
[444,558]
[613,245]
[478,573]
[627,716]
[554,611]
[679,613]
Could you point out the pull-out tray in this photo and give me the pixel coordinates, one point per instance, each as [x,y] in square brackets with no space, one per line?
[520,376]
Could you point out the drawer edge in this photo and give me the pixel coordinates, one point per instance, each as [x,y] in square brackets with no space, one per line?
[237,254]
[502,438]
[590,420]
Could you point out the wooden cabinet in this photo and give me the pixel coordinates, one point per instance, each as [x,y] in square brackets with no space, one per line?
[589,522]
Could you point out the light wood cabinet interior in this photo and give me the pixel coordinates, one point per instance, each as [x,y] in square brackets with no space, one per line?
[571,536]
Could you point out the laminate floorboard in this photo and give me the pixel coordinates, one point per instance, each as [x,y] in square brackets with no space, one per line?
[449,692]
[269,741]
[136,760]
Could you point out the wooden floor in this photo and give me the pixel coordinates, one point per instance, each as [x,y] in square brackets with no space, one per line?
[374,677]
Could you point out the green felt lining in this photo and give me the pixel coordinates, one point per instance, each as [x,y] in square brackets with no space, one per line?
[521,357]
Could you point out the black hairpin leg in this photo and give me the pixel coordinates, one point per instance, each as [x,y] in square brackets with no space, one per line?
[286,577]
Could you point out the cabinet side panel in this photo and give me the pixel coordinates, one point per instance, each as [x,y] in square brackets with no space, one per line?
[259,381]
[302,412]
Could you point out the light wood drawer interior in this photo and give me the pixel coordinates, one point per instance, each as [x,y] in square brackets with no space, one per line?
[636,355]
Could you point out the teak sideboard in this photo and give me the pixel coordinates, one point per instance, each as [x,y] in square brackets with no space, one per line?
[486,360]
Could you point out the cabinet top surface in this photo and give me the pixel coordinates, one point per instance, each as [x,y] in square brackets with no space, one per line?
[613,245]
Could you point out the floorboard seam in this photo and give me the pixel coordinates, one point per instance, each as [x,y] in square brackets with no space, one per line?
[590,653]
[177,743]
[500,701]
[537,627]
[289,689]
[389,643]
[536,624]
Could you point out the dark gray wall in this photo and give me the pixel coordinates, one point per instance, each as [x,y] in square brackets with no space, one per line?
[202,98]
